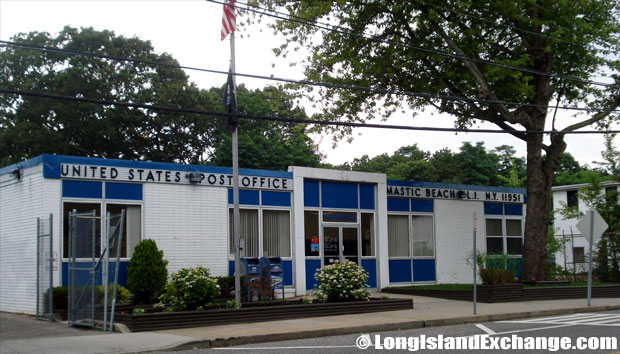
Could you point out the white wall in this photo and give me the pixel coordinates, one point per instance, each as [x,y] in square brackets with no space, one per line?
[21,203]
[189,223]
[454,239]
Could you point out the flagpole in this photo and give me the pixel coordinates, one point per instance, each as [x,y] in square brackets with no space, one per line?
[235,167]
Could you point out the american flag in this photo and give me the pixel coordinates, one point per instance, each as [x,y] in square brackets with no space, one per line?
[228,18]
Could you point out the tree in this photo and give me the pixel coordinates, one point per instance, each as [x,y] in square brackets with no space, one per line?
[30,126]
[554,40]
[266,144]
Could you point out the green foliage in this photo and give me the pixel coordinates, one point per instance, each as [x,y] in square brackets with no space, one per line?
[232,304]
[266,144]
[137,311]
[31,126]
[340,282]
[146,273]
[122,294]
[495,269]
[190,289]
[60,298]
[227,286]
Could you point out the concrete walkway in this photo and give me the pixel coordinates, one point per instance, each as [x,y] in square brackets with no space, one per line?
[427,312]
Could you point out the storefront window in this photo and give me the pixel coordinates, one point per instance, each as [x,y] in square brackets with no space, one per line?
[311,233]
[87,232]
[423,240]
[132,228]
[368,234]
[249,231]
[398,235]
[513,235]
[495,240]
[276,233]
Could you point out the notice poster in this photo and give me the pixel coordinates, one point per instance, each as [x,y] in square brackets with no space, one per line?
[314,244]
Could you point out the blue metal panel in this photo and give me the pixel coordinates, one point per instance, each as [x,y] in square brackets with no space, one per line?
[83,275]
[367,196]
[288,272]
[246,197]
[131,191]
[231,268]
[513,209]
[422,205]
[370,265]
[311,267]
[81,189]
[339,195]
[400,270]
[493,209]
[276,198]
[423,270]
[311,193]
[398,204]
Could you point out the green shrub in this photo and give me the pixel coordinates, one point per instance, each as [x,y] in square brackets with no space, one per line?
[227,286]
[146,273]
[190,289]
[61,299]
[344,281]
[494,276]
[122,294]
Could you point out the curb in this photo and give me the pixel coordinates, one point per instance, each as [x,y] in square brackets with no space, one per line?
[232,341]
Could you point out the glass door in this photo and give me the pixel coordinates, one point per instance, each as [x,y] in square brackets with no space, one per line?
[340,243]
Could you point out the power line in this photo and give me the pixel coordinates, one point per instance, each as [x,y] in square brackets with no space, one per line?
[286,120]
[348,32]
[298,82]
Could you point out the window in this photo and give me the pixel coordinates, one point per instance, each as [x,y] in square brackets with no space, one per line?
[423,240]
[572,199]
[611,194]
[276,233]
[249,231]
[398,235]
[132,228]
[495,236]
[368,234]
[578,255]
[513,234]
[87,232]
[514,239]
[311,232]
[339,216]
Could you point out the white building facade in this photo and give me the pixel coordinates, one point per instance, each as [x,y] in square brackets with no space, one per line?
[573,255]
[400,232]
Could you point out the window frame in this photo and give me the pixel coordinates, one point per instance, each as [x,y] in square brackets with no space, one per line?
[103,211]
[410,215]
[504,221]
[231,254]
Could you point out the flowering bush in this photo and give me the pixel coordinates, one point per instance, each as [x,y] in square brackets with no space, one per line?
[344,281]
[189,289]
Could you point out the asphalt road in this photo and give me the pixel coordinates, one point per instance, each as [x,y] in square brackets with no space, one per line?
[588,325]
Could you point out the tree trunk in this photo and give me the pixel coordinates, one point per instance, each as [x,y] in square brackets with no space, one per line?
[540,175]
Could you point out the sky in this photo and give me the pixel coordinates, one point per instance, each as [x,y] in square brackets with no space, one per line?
[190,32]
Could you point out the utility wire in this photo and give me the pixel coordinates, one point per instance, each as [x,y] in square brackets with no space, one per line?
[286,120]
[10,44]
[344,31]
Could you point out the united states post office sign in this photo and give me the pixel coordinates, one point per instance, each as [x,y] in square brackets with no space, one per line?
[127,174]
[444,193]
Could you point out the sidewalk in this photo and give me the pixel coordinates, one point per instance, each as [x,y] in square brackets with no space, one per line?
[428,312]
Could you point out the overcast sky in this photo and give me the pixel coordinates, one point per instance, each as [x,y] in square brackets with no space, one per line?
[190,32]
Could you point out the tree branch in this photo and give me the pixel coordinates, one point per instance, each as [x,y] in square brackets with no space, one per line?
[596,118]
